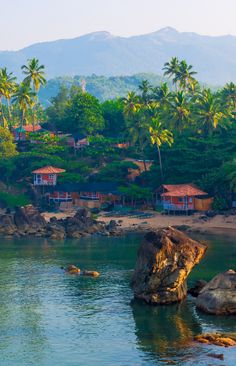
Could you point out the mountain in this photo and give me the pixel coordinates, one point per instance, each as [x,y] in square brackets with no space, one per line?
[104,54]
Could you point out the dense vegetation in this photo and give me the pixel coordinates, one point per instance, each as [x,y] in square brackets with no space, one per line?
[102,87]
[188,130]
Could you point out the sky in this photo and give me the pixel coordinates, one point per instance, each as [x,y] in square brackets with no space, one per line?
[24,22]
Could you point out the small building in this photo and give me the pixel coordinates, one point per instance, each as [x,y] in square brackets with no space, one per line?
[46,176]
[21,133]
[88,195]
[183,197]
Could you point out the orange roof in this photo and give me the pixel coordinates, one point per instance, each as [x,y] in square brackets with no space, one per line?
[48,170]
[29,128]
[181,190]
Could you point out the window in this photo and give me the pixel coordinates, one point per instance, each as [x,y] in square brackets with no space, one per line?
[51,176]
[190,200]
[180,199]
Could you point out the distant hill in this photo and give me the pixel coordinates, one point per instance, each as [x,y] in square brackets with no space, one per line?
[101,53]
[101,87]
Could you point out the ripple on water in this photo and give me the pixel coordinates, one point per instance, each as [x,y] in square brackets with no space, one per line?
[48,317]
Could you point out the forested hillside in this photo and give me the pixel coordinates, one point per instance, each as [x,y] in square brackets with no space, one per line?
[188,131]
[101,87]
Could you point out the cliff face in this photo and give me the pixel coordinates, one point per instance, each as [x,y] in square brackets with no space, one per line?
[165,259]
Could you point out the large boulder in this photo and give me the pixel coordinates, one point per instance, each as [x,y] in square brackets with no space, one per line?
[55,231]
[28,218]
[165,259]
[219,295]
[7,226]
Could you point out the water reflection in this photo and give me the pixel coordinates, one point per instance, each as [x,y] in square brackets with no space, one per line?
[166,331]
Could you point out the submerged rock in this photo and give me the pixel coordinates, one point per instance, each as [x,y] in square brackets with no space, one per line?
[91,273]
[219,295]
[71,269]
[218,339]
[165,259]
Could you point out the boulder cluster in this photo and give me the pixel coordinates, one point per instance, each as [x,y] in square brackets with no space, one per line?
[165,259]
[27,221]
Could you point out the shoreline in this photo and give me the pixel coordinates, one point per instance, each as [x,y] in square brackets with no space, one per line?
[194,223]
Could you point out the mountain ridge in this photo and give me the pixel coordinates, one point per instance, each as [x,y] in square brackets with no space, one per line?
[101,53]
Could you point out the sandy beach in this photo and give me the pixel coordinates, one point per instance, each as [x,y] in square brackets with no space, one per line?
[196,222]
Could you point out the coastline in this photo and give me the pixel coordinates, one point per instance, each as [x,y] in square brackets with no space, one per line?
[195,223]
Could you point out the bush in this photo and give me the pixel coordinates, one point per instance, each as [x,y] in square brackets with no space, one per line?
[12,200]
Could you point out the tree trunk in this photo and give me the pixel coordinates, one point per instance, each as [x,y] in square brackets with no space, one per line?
[160,162]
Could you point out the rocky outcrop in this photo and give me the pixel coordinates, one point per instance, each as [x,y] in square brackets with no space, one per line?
[165,259]
[28,217]
[219,295]
[28,221]
[218,339]
[195,291]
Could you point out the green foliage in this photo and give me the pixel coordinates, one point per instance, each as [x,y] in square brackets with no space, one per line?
[7,146]
[13,200]
[135,192]
[70,178]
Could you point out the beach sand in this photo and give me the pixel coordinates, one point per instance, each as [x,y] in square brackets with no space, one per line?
[195,222]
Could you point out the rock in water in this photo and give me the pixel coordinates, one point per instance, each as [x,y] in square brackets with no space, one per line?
[219,295]
[165,259]
[195,291]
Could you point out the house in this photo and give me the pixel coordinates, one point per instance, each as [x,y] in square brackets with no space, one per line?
[88,195]
[183,197]
[142,166]
[21,133]
[46,176]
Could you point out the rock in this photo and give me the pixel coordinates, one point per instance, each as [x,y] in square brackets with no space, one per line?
[28,217]
[91,273]
[216,355]
[194,291]
[55,231]
[219,295]
[165,259]
[218,339]
[7,226]
[71,269]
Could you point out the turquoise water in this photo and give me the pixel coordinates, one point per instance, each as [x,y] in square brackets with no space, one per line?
[50,318]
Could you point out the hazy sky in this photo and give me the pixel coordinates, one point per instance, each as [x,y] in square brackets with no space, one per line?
[24,22]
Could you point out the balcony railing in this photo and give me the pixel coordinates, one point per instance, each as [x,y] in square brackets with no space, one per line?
[177,207]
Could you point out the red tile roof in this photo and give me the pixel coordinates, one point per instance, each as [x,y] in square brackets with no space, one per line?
[48,170]
[29,128]
[181,190]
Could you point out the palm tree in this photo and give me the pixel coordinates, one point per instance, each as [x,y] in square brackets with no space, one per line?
[35,75]
[171,68]
[145,88]
[159,136]
[208,111]
[131,104]
[229,95]
[24,96]
[178,111]
[184,75]
[8,85]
